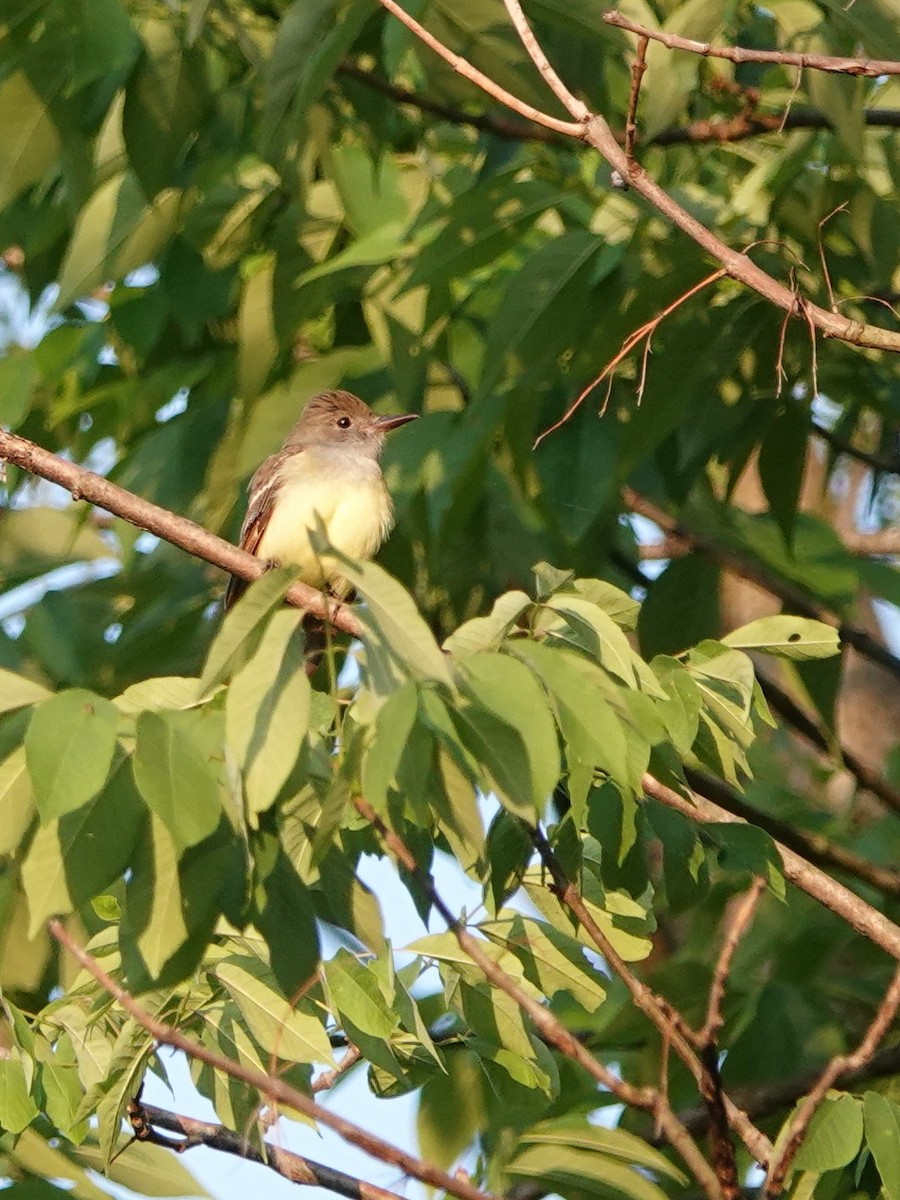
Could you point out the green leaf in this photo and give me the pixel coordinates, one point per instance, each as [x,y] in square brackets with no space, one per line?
[18,378]
[243,625]
[257,337]
[29,139]
[155,915]
[34,1154]
[782,459]
[167,691]
[313,36]
[551,960]
[115,232]
[594,732]
[164,105]
[177,762]
[482,223]
[61,1086]
[510,727]
[17,1109]
[69,745]
[618,1143]
[682,607]
[16,800]
[834,1135]
[267,709]
[74,857]
[528,314]
[281,1030]
[286,917]
[786,637]
[393,730]
[145,1169]
[748,848]
[391,617]
[882,1125]
[486,633]
[589,1172]
[16,691]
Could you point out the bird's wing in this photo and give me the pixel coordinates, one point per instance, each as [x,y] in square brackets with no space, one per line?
[263,488]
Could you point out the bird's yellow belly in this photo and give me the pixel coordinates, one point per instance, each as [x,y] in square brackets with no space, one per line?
[357,517]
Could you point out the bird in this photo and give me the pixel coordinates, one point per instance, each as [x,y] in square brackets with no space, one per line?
[326,472]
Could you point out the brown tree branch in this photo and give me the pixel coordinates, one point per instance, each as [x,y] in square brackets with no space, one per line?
[875,544]
[656,1008]
[577,108]
[269,1086]
[754,124]
[501,127]
[597,133]
[296,1168]
[179,531]
[870,67]
[762,1099]
[813,847]
[741,918]
[799,601]
[551,1030]
[728,129]
[878,462]
[638,67]
[464,68]
[841,1063]
[859,915]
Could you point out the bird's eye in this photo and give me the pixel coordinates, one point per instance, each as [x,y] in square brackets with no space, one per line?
[343,423]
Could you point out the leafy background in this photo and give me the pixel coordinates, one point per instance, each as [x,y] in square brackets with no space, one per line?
[235,208]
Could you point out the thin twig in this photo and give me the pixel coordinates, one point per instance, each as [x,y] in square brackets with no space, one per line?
[633,339]
[841,1063]
[547,1024]
[570,103]
[468,71]
[327,1080]
[638,67]
[738,128]
[870,67]
[859,915]
[501,127]
[597,133]
[740,920]
[271,1087]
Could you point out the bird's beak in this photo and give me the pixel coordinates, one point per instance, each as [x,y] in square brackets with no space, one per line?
[387,423]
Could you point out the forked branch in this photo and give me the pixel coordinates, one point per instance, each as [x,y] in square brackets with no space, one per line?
[595,131]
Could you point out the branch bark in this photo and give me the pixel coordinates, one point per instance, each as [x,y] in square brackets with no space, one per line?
[841,1063]
[859,915]
[870,67]
[737,128]
[296,1168]
[595,131]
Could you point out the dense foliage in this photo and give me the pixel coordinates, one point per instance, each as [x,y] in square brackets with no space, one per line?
[239,206]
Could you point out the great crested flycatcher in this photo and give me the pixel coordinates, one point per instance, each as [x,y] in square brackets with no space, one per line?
[327,471]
